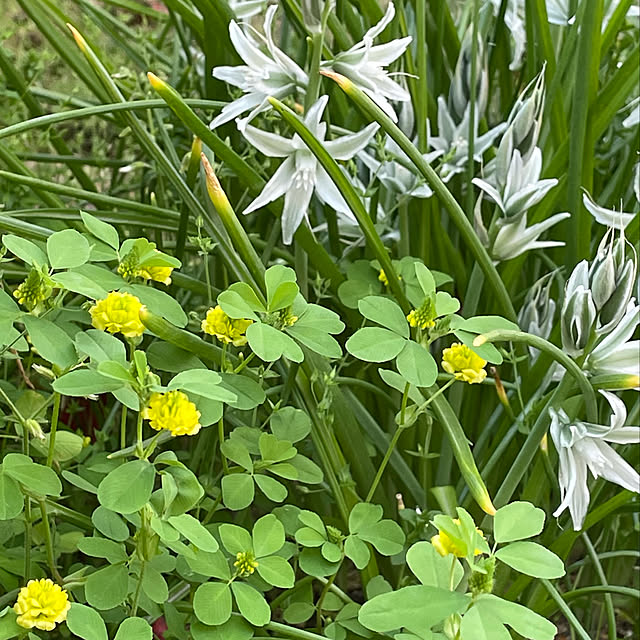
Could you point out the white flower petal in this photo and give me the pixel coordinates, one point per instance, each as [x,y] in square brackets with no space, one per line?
[247,48]
[296,203]
[235,108]
[329,194]
[270,144]
[277,186]
[608,217]
[345,147]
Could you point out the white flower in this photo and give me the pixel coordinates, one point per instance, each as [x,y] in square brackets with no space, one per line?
[514,238]
[538,311]
[607,217]
[265,73]
[522,189]
[578,311]
[616,353]
[300,175]
[582,446]
[452,141]
[633,119]
[243,9]
[364,64]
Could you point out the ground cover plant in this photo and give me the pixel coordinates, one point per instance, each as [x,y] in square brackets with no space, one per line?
[319,319]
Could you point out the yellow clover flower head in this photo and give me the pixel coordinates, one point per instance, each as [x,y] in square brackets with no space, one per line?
[41,604]
[35,289]
[245,563]
[446,546]
[174,412]
[118,312]
[424,316]
[230,330]
[382,276]
[158,274]
[463,363]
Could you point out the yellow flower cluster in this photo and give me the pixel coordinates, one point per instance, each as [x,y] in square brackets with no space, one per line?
[118,312]
[382,276]
[463,363]
[245,563]
[424,316]
[230,330]
[445,546]
[158,274]
[41,604]
[34,290]
[174,412]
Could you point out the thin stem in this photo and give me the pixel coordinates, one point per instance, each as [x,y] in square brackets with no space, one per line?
[48,543]
[324,592]
[564,607]
[225,464]
[123,427]
[608,600]
[244,363]
[136,597]
[54,427]
[139,441]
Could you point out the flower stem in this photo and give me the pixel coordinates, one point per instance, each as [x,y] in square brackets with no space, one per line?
[324,592]
[139,442]
[51,559]
[123,427]
[225,465]
[136,597]
[54,427]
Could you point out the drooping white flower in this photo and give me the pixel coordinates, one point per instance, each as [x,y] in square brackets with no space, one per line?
[243,9]
[616,353]
[267,71]
[301,175]
[514,237]
[523,189]
[452,141]
[607,217]
[582,446]
[364,64]
[578,314]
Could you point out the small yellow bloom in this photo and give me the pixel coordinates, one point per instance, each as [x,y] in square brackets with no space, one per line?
[424,316]
[463,363]
[41,604]
[35,289]
[445,545]
[230,330]
[174,412]
[382,276]
[118,312]
[245,563]
[159,274]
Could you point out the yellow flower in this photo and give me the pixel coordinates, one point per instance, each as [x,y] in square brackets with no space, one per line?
[159,274]
[463,363]
[230,330]
[382,276]
[35,289]
[41,604]
[445,545]
[423,316]
[174,412]
[245,563]
[118,312]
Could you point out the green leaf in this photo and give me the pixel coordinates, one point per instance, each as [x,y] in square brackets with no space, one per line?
[159,302]
[269,344]
[235,539]
[386,536]
[113,369]
[108,587]
[86,622]
[385,312]
[276,275]
[26,250]
[203,383]
[316,316]
[212,565]
[11,500]
[480,624]
[314,564]
[52,343]
[238,491]
[486,351]
[532,559]
[283,296]
[425,279]
[134,629]
[251,604]
[67,249]
[290,424]
[234,629]
[298,612]
[446,304]
[312,520]
[190,491]
[277,572]
[154,585]
[274,450]
[416,365]
[268,536]
[191,529]
[212,603]
[357,551]
[238,453]
[316,339]
[364,514]
[101,230]
[110,524]
[79,283]
[522,620]
[168,357]
[484,324]
[416,608]
[517,521]
[127,488]
[235,306]
[35,477]
[374,344]
[100,346]
[271,488]
[308,537]
[307,471]
[432,569]
[249,394]
[102,548]
[331,552]
[84,382]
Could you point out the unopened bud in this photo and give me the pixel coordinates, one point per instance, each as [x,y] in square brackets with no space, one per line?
[44,371]
[616,381]
[538,311]
[34,429]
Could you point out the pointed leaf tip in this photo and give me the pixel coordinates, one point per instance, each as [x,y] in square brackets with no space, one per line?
[343,81]
[155,82]
[77,36]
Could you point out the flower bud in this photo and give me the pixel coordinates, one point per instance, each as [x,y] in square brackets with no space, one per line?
[34,429]
[538,311]
[578,312]
[461,93]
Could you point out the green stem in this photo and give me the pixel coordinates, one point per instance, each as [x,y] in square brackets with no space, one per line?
[225,464]
[48,543]
[139,441]
[323,594]
[564,607]
[54,427]
[557,354]
[123,427]
[136,597]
